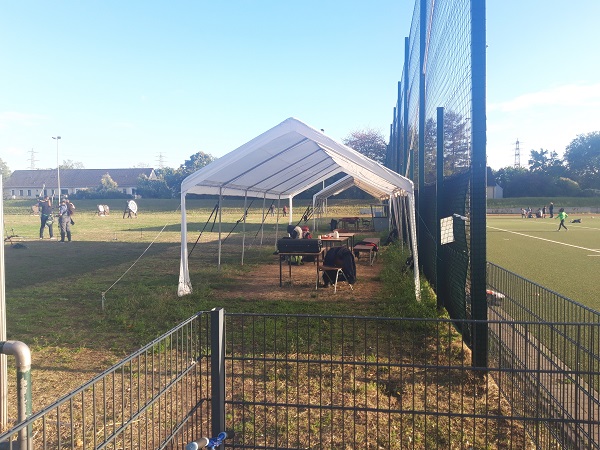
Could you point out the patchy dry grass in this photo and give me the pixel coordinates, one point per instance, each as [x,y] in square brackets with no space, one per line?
[56,293]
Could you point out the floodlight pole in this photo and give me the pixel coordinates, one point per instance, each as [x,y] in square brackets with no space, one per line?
[57,138]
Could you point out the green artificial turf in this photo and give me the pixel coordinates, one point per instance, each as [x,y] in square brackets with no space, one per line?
[567,262]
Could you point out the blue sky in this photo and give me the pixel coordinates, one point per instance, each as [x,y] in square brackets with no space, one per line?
[124,82]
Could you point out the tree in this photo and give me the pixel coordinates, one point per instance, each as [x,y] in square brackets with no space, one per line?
[520,182]
[582,157]
[546,162]
[70,164]
[174,177]
[369,142]
[107,183]
[152,188]
[4,169]
[197,161]
[456,145]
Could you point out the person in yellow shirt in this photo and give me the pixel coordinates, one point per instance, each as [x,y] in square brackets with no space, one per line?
[562,215]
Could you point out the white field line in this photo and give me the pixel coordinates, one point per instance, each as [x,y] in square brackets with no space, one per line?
[576,225]
[547,240]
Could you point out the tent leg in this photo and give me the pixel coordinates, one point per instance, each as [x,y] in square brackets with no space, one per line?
[277,223]
[244,228]
[262,225]
[220,221]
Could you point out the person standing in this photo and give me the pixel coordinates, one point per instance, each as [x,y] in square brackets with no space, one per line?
[284,210]
[130,208]
[562,215]
[64,219]
[45,208]
[551,210]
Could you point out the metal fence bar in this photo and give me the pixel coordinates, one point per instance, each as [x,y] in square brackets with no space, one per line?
[563,337]
[23,362]
[155,398]
[303,381]
[300,381]
[218,371]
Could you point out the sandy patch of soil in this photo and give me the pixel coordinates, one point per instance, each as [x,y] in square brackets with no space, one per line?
[262,283]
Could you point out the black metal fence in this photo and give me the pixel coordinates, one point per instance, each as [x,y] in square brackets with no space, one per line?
[438,139]
[354,382]
[158,397]
[558,336]
[331,382]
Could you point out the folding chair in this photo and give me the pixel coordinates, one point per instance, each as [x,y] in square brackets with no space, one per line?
[338,271]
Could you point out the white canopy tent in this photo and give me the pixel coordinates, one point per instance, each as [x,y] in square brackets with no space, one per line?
[396,203]
[281,163]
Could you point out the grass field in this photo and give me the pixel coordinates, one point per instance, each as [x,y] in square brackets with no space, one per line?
[567,262]
[111,262]
[55,291]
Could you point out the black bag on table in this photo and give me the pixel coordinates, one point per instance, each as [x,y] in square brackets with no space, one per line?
[299,245]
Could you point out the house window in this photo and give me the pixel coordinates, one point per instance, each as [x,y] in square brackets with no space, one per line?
[28,192]
[12,192]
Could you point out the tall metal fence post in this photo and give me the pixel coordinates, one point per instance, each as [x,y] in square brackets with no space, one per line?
[478,183]
[217,360]
[405,170]
[439,188]
[421,152]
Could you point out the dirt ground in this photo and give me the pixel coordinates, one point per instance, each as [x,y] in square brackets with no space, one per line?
[262,283]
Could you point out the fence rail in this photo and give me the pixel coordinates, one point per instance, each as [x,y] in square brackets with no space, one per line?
[561,337]
[155,398]
[301,381]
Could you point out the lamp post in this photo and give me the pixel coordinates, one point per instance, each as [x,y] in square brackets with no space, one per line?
[57,138]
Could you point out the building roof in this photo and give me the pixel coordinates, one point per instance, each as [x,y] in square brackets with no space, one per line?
[74,178]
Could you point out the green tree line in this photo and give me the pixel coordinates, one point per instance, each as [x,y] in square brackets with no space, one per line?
[577,174]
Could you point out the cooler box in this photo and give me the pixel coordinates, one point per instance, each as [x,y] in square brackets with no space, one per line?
[299,245]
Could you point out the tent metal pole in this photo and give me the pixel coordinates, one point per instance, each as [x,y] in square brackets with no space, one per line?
[244,227]
[414,245]
[185,285]
[406,224]
[400,217]
[220,222]
[290,220]
[314,216]
[277,223]
[262,225]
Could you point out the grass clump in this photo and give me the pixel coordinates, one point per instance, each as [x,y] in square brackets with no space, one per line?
[398,293]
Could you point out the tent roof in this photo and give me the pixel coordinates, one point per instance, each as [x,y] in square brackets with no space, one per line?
[285,161]
[346,183]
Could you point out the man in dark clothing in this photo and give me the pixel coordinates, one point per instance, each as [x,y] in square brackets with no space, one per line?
[339,257]
[65,221]
[45,208]
[551,210]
